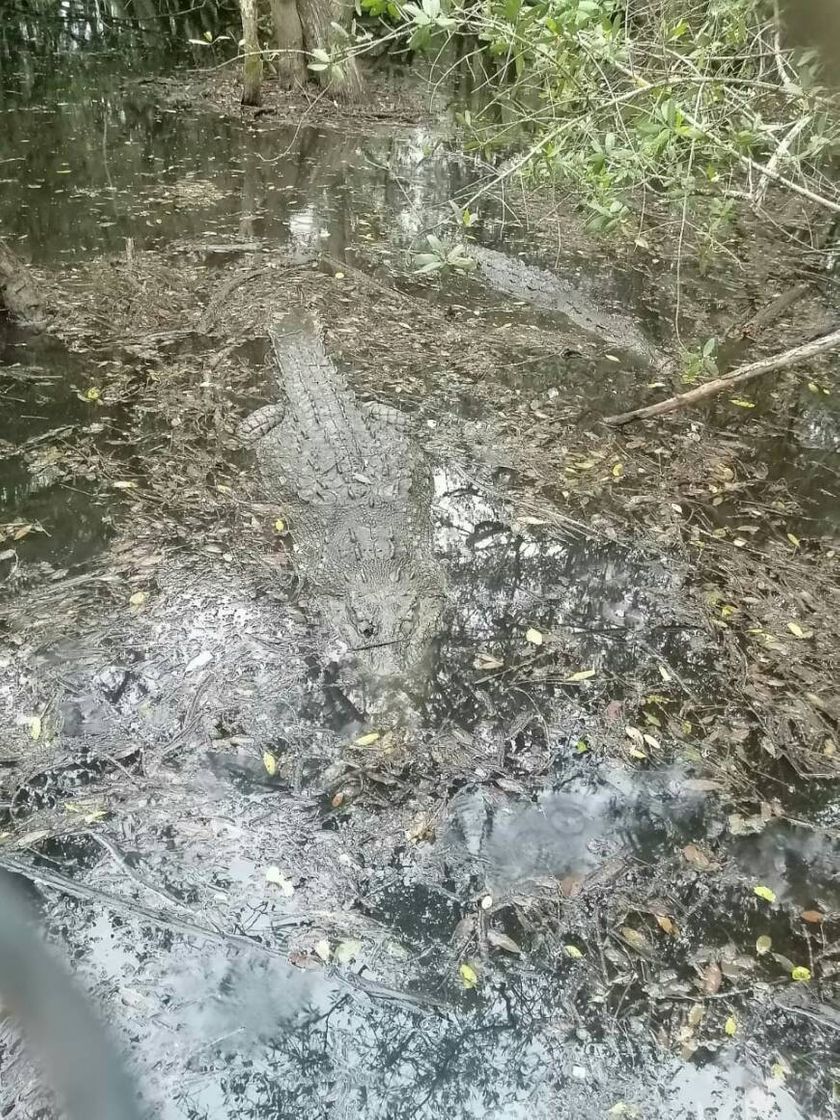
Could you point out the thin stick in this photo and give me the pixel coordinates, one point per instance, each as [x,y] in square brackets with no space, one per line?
[736,377]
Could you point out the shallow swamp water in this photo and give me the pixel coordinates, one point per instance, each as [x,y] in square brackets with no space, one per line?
[574,870]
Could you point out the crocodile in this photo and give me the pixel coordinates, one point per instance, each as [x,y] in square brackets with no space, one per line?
[548,292]
[358,496]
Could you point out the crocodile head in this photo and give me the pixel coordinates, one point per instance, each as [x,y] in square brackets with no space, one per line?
[388,630]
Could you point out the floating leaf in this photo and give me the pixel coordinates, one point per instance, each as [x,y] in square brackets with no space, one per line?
[801,973]
[778,1072]
[581,746]
[712,978]
[93,394]
[487,661]
[486,902]
[34,727]
[731,1026]
[793,540]
[469,977]
[697,857]
[581,675]
[742,402]
[322,948]
[796,630]
[763,944]
[367,739]
[618,470]
[765,892]
[275,876]
[347,951]
[573,952]
[502,941]
[279,525]
[125,484]
[338,275]
[665,924]
[270,763]
[138,598]
[815,917]
[534,637]
[635,939]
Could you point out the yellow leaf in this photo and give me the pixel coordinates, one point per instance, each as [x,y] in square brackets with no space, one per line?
[763,944]
[279,525]
[93,394]
[366,740]
[581,675]
[573,952]
[581,746]
[618,470]
[778,1071]
[665,924]
[338,275]
[124,484]
[634,752]
[742,402]
[793,540]
[270,763]
[801,973]
[796,630]
[765,892]
[469,977]
[34,727]
[138,599]
[731,1025]
[534,637]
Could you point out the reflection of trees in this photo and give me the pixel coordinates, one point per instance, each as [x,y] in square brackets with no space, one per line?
[44,26]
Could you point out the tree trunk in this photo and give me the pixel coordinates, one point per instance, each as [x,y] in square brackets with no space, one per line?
[288,38]
[253,66]
[316,17]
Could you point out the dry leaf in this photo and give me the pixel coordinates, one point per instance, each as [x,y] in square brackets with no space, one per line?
[815,917]
[322,948]
[665,924]
[534,637]
[712,978]
[698,859]
[581,675]
[502,941]
[347,951]
[635,939]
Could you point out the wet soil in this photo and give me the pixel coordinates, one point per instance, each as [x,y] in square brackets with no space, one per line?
[529,889]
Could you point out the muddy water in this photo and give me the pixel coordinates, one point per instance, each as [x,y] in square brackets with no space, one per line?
[367,875]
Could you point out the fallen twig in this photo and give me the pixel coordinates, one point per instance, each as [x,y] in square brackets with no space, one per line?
[737,376]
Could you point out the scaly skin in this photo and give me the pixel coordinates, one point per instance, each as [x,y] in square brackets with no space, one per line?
[358,497]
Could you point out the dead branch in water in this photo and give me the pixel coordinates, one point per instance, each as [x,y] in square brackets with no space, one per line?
[738,376]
